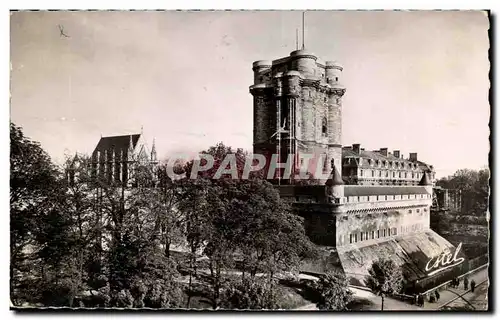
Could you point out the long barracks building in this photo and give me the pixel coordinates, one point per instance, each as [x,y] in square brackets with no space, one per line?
[375,204]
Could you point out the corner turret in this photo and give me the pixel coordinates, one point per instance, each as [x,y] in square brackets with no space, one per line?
[426,182]
[334,187]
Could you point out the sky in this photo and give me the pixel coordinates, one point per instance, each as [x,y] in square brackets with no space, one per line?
[416,81]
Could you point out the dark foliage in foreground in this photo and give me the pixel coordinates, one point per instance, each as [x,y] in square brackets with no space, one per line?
[79,241]
[331,292]
[385,278]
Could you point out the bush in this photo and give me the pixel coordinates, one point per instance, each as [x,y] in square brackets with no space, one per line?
[331,291]
[249,294]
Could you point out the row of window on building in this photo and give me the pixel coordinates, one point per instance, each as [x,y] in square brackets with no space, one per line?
[390,197]
[387,174]
[386,182]
[381,233]
[383,163]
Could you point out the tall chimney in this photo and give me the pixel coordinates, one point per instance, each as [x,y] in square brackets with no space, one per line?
[413,156]
[355,147]
[383,151]
[396,153]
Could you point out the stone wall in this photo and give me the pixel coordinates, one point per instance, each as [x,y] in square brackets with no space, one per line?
[363,227]
[336,225]
[320,228]
[264,116]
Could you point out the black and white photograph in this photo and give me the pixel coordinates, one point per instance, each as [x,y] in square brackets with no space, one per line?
[271,160]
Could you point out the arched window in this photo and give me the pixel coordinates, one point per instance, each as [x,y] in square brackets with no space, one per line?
[324,126]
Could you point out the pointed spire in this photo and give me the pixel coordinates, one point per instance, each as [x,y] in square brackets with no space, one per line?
[99,162]
[130,143]
[113,164]
[153,151]
[334,179]
[425,181]
[142,129]
[130,151]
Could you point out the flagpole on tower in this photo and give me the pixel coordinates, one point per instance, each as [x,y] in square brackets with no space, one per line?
[303,29]
[297,39]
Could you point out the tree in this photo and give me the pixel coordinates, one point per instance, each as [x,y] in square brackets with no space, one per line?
[75,233]
[194,207]
[170,218]
[474,186]
[332,291]
[54,257]
[271,237]
[385,278]
[482,191]
[146,277]
[122,238]
[249,294]
[140,271]
[33,182]
[230,220]
[79,205]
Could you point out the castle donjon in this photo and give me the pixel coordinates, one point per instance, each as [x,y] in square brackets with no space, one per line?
[375,204]
[297,108]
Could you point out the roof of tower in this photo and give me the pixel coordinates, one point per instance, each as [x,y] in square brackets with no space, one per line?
[335,178]
[293,73]
[117,142]
[302,52]
[260,63]
[334,65]
[425,180]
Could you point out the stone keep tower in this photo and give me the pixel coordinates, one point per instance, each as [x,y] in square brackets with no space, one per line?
[298,110]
